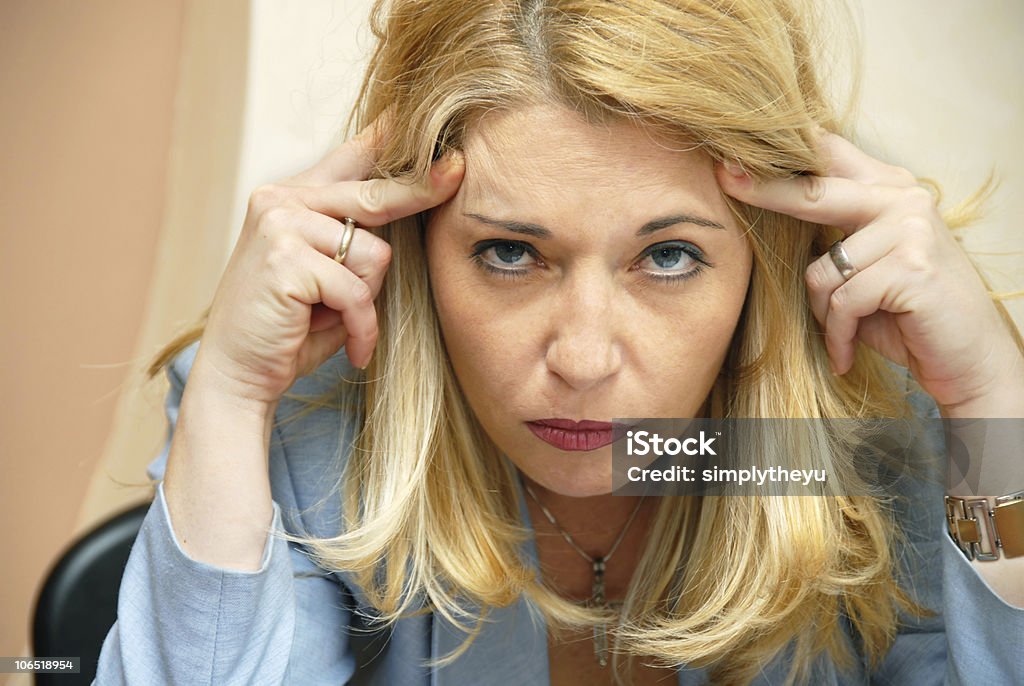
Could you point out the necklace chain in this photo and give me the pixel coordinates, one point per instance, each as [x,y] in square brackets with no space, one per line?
[569,539]
[598,563]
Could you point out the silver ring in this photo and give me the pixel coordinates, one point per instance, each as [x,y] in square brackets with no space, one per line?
[348,230]
[841,260]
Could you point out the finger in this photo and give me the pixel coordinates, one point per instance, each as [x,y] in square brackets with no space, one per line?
[866,293]
[345,293]
[846,160]
[368,259]
[379,201]
[832,201]
[368,255]
[822,276]
[352,160]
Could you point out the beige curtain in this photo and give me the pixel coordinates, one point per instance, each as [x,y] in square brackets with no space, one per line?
[203,167]
[264,89]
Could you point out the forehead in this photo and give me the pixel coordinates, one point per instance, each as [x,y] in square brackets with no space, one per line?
[551,152]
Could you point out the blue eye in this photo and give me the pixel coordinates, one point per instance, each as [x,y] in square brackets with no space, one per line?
[673,260]
[504,257]
[509,253]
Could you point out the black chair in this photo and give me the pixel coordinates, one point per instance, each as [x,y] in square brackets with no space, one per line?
[77,603]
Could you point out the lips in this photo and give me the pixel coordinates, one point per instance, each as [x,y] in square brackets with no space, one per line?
[566,434]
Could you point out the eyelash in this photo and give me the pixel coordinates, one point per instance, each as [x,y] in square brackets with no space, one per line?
[692,251]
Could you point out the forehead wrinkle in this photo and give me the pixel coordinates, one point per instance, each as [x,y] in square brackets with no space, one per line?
[512,157]
[500,167]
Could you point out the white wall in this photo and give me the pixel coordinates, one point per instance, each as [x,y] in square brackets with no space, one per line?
[943,89]
[305,63]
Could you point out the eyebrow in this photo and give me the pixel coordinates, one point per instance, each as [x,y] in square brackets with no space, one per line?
[538,231]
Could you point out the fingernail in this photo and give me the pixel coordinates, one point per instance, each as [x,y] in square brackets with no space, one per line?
[733,168]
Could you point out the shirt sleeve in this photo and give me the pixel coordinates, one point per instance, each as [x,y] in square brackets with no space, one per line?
[182,621]
[975,635]
[984,632]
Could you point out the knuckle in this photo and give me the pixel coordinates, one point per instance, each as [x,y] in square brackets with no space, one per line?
[274,218]
[814,188]
[816,276]
[279,254]
[915,260]
[878,196]
[919,198]
[837,301]
[265,197]
[903,176]
[361,294]
[381,253]
[916,225]
[371,197]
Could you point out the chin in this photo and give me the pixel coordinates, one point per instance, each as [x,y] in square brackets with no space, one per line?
[592,478]
[577,490]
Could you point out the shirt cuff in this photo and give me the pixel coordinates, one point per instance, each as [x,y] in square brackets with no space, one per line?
[168,528]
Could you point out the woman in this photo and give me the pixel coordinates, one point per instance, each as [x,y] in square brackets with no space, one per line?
[584,211]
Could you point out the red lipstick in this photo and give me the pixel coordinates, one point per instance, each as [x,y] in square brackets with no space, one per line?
[566,434]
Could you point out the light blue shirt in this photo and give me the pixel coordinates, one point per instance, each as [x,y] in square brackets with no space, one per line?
[181,621]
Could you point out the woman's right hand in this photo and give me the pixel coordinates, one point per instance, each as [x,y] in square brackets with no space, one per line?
[284,305]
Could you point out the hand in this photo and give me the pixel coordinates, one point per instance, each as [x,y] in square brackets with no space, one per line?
[284,305]
[915,298]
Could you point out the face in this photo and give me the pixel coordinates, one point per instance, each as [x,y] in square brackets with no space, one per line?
[580,274]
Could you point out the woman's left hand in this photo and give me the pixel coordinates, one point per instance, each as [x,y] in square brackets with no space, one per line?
[915,296]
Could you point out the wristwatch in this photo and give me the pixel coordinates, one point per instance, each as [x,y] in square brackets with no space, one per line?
[980,529]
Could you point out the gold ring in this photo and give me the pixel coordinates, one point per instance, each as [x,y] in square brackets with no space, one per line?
[349,230]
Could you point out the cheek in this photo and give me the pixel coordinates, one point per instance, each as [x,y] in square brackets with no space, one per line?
[686,353]
[475,335]
[688,336]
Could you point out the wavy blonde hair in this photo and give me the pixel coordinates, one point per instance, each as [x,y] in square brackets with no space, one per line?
[425,487]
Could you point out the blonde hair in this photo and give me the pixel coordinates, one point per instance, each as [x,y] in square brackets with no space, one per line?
[425,488]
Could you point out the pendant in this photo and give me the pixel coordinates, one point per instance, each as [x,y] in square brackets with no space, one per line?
[597,599]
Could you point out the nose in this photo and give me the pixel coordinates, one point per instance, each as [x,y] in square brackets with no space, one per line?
[584,348]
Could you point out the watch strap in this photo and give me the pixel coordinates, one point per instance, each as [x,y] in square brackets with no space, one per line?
[981,527]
